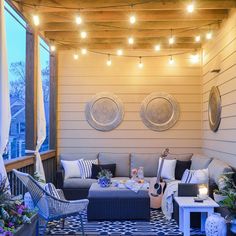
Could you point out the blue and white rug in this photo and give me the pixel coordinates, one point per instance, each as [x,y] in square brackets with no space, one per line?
[158,226]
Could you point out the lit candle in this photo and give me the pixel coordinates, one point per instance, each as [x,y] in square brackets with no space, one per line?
[203,192]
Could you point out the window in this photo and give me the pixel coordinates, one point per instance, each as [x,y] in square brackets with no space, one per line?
[16,51]
[45,74]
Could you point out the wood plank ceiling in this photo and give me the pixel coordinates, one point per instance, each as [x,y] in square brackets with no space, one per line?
[107,22]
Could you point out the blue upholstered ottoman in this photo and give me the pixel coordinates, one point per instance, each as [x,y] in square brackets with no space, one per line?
[113,203]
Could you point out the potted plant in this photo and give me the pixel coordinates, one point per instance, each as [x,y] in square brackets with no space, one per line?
[226,185]
[104,178]
[15,218]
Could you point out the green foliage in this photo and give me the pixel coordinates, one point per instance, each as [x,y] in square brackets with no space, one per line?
[105,174]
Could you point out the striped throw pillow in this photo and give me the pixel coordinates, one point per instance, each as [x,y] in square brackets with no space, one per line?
[187,176]
[86,167]
[51,189]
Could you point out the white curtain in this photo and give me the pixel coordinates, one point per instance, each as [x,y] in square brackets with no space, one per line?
[5,110]
[41,121]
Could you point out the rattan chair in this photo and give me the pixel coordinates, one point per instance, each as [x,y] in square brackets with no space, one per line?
[51,208]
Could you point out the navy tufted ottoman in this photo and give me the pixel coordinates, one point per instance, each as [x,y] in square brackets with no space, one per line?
[113,203]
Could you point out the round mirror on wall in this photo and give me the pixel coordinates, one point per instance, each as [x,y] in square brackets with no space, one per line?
[214,109]
[159,111]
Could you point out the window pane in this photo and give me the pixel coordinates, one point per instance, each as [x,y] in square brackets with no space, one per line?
[16,52]
[45,73]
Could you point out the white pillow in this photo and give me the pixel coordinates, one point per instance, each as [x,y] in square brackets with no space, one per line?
[86,167]
[168,169]
[71,168]
[195,176]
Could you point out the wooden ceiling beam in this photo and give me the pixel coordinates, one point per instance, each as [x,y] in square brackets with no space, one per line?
[113,34]
[113,16]
[94,5]
[148,25]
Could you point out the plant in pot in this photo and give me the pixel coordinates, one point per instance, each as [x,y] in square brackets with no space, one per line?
[226,185]
[104,178]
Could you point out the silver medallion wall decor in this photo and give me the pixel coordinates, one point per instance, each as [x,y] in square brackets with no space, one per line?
[214,109]
[159,111]
[104,112]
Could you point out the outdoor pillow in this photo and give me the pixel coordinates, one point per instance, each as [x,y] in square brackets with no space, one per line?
[71,169]
[200,162]
[168,170]
[195,176]
[97,168]
[86,167]
[181,166]
[51,189]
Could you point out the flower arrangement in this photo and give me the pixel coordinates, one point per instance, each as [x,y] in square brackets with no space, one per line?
[104,178]
[134,173]
[12,211]
[226,184]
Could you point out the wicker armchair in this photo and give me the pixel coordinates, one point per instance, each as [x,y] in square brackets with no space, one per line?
[51,208]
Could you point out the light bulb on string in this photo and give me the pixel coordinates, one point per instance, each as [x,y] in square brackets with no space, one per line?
[108,60]
[194,58]
[197,38]
[157,47]
[131,40]
[76,56]
[140,64]
[209,35]
[190,8]
[84,51]
[119,52]
[36,20]
[171,39]
[132,19]
[78,20]
[52,47]
[83,34]
[171,60]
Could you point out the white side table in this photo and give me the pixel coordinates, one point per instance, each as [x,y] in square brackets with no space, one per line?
[187,205]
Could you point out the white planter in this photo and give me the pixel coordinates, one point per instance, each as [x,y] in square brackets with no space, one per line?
[215,225]
[218,197]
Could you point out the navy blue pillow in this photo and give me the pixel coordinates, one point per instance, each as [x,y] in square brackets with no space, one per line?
[97,168]
[181,166]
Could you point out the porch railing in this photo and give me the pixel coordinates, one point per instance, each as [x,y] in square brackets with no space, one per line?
[26,165]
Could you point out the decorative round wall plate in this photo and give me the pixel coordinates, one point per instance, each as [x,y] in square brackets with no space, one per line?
[159,111]
[104,112]
[214,109]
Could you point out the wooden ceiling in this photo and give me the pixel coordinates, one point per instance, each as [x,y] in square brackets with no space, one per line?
[108,27]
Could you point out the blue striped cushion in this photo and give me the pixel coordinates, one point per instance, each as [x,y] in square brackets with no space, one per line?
[187,176]
[51,189]
[86,167]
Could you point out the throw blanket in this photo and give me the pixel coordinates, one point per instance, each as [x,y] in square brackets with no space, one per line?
[167,200]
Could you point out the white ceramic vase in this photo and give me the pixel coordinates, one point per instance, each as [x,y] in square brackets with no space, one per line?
[215,225]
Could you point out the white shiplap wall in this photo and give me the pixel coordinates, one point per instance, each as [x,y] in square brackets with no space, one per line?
[79,80]
[221,53]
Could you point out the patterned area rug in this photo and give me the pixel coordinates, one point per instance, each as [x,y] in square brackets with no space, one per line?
[158,226]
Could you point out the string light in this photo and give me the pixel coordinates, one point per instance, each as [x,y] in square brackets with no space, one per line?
[197,38]
[171,39]
[157,47]
[171,60]
[84,51]
[76,56]
[140,64]
[209,35]
[36,20]
[194,58]
[83,34]
[132,19]
[190,8]
[119,52]
[78,20]
[131,40]
[108,60]
[52,48]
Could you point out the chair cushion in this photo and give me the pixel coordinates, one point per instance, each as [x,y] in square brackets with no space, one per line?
[74,157]
[97,168]
[200,162]
[51,189]
[148,161]
[78,183]
[195,176]
[168,169]
[181,166]
[122,161]
[216,169]
[181,156]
